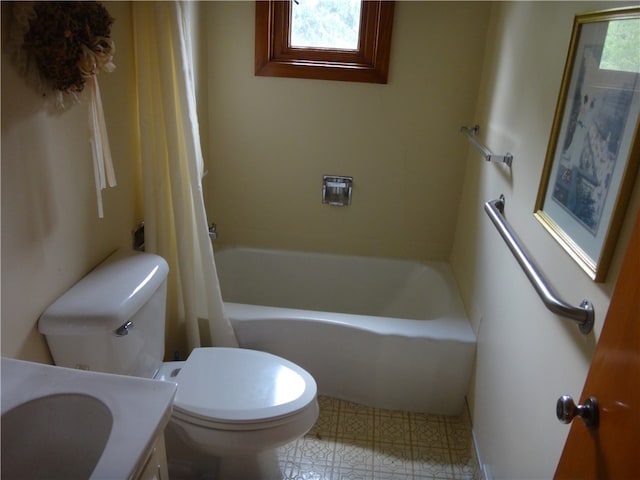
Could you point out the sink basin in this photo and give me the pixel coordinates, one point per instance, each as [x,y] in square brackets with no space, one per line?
[66,432]
[63,423]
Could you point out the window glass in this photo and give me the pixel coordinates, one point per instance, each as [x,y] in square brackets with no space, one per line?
[332,24]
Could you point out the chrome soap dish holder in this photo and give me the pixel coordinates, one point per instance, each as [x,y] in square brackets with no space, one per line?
[336,190]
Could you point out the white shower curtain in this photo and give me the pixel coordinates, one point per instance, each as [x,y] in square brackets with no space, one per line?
[172,166]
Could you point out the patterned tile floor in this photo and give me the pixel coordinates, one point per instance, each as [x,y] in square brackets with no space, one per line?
[354,442]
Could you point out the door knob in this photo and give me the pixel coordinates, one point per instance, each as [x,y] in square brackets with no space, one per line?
[567,410]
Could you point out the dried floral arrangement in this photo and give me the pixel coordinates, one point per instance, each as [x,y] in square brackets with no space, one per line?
[59,45]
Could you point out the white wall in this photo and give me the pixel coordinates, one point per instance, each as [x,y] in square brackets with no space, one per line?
[51,233]
[271,140]
[527,357]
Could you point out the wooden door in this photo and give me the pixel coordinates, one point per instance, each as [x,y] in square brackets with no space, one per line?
[612,450]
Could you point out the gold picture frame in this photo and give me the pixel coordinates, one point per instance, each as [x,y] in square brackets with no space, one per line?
[594,150]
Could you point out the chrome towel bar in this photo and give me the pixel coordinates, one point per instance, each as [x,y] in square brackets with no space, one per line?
[583,314]
[489,156]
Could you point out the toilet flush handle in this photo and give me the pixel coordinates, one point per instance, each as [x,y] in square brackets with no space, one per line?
[123,329]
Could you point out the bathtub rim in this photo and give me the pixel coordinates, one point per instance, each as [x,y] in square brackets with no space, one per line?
[455,327]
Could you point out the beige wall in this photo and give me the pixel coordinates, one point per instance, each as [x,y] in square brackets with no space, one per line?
[51,233]
[527,357]
[271,140]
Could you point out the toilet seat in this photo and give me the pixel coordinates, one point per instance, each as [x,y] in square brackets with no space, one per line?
[242,389]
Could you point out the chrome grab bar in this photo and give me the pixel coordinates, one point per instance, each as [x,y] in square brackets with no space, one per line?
[583,314]
[488,155]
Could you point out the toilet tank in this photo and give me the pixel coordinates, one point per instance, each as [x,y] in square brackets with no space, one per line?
[113,319]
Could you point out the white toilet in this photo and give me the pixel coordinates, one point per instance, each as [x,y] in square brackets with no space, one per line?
[231,403]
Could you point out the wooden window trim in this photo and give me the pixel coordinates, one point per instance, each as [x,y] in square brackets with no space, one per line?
[274,56]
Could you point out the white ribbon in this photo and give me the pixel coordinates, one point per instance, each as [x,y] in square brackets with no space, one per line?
[99,139]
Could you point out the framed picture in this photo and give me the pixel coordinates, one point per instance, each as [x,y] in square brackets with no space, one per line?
[594,150]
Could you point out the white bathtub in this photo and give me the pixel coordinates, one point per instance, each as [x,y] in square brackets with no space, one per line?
[381,332]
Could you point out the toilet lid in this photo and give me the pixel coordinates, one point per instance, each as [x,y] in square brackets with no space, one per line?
[236,385]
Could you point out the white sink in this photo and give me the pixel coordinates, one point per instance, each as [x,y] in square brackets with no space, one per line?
[64,423]
[66,432]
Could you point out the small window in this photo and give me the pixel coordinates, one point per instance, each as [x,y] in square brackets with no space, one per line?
[292,41]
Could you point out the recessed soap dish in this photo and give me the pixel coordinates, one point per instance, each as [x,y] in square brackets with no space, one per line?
[336,190]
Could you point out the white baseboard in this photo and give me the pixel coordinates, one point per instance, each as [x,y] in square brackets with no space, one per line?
[485,470]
